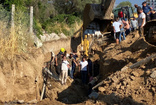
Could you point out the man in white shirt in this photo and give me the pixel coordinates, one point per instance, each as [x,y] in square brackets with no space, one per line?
[64,68]
[141,21]
[116,26]
[83,69]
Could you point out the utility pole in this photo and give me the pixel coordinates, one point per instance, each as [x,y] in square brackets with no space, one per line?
[31,21]
[12,17]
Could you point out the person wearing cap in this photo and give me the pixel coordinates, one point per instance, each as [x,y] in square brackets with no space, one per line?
[58,62]
[146,10]
[141,21]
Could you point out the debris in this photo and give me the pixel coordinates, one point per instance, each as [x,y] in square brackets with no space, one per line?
[153,75]
[93,95]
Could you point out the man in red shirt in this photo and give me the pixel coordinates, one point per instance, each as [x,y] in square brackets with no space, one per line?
[120,14]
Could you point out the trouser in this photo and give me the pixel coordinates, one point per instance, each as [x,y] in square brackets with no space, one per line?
[58,71]
[127,31]
[84,77]
[123,34]
[147,18]
[140,31]
[64,76]
[72,72]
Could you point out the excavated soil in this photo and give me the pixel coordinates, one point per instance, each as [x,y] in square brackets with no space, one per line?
[131,87]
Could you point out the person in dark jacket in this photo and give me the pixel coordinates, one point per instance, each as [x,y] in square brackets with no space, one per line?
[146,10]
[153,15]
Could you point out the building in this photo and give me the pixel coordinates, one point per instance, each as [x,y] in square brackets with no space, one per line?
[152,3]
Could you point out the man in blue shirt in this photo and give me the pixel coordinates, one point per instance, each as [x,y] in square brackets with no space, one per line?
[146,10]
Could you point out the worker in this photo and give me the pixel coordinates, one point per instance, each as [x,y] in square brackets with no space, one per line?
[153,15]
[116,26]
[126,26]
[122,31]
[120,14]
[134,24]
[146,10]
[58,62]
[83,69]
[74,63]
[64,69]
[141,21]
[138,8]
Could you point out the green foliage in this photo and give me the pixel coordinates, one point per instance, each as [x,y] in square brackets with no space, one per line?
[124,3]
[49,16]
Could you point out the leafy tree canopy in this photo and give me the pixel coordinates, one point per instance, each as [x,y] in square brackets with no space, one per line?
[125,3]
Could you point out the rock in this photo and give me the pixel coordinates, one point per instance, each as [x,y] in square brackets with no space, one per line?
[135,73]
[132,77]
[153,75]
[124,68]
[101,89]
[20,101]
[94,95]
[115,79]
[148,72]
[62,35]
[33,101]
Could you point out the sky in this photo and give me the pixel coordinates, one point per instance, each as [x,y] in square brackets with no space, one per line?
[139,2]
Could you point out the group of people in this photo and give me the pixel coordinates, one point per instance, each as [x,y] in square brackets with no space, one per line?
[122,26]
[65,65]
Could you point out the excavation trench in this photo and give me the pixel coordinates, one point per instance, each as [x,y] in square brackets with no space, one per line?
[25,86]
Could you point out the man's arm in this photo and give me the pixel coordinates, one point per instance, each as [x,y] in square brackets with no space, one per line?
[75,62]
[143,21]
[114,28]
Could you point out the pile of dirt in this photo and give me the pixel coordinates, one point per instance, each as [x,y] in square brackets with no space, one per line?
[129,87]
[21,79]
[73,92]
[133,86]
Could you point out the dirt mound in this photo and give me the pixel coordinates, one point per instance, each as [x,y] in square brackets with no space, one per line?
[133,86]
[21,79]
[71,93]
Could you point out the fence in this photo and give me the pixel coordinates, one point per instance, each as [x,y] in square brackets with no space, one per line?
[16,31]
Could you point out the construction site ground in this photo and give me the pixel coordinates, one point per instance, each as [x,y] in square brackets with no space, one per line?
[129,87]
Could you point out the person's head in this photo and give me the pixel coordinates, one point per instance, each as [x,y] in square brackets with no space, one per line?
[62,50]
[144,3]
[116,19]
[83,58]
[135,5]
[140,10]
[64,57]
[134,18]
[71,54]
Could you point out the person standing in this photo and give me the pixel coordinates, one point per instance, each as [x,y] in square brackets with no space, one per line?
[116,27]
[134,24]
[141,21]
[146,10]
[126,26]
[122,31]
[137,8]
[58,62]
[64,68]
[83,69]
[74,64]
[153,15]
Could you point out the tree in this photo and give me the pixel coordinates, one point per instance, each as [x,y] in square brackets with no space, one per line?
[125,3]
